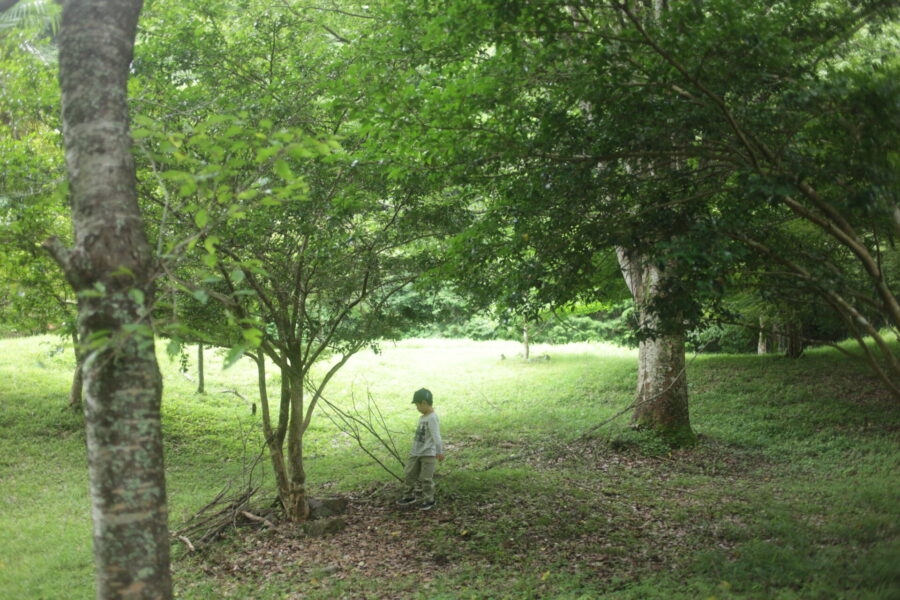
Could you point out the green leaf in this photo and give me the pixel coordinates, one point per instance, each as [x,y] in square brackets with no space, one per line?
[137,295]
[265,154]
[141,329]
[253,336]
[98,339]
[201,218]
[210,243]
[200,295]
[299,151]
[173,349]
[143,120]
[283,170]
[187,188]
[234,355]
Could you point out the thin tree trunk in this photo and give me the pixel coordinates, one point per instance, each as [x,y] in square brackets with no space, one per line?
[525,341]
[762,344]
[200,371]
[294,497]
[661,403]
[273,438]
[112,259]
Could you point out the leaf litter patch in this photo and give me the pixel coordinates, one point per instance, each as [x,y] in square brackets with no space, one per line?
[592,512]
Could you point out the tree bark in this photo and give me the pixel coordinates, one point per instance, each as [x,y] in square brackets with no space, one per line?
[290,476]
[294,498]
[200,370]
[111,268]
[77,377]
[661,402]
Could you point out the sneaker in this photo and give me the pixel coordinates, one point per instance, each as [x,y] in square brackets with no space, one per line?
[406,500]
[427,505]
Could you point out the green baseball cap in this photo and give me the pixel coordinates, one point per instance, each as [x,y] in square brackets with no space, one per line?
[422,395]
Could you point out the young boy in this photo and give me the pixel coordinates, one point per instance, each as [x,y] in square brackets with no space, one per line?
[427,446]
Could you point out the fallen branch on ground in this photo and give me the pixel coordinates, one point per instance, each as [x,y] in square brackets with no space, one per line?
[211,521]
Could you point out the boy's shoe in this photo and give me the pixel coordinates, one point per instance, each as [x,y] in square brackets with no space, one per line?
[406,500]
[427,505]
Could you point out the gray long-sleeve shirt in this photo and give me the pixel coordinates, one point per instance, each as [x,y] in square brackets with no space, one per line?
[428,436]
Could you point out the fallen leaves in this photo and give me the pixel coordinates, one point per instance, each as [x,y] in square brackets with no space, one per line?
[585,510]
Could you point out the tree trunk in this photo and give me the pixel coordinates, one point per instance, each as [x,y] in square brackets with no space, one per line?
[200,372]
[290,476]
[794,340]
[525,341]
[77,377]
[294,498]
[778,336]
[762,344]
[111,268]
[661,403]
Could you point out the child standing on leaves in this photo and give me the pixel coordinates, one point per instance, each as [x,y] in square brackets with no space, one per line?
[426,451]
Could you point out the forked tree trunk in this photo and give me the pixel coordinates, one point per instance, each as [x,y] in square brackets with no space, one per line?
[661,403]
[290,477]
[111,268]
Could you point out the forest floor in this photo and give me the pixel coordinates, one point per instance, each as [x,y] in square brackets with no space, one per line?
[793,490]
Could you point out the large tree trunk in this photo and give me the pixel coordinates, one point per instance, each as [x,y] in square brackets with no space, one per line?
[77,377]
[661,403]
[111,268]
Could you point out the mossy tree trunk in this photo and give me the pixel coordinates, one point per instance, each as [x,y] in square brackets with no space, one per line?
[661,402]
[75,390]
[112,269]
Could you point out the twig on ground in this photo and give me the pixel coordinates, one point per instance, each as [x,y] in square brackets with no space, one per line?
[187,543]
[262,520]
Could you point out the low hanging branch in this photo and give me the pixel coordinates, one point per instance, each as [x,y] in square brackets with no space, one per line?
[856,321]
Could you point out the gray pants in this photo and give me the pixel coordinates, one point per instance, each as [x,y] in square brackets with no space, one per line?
[420,473]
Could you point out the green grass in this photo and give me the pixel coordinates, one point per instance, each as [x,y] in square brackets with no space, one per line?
[793,491]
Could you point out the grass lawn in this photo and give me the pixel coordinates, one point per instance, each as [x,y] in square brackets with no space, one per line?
[793,491]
